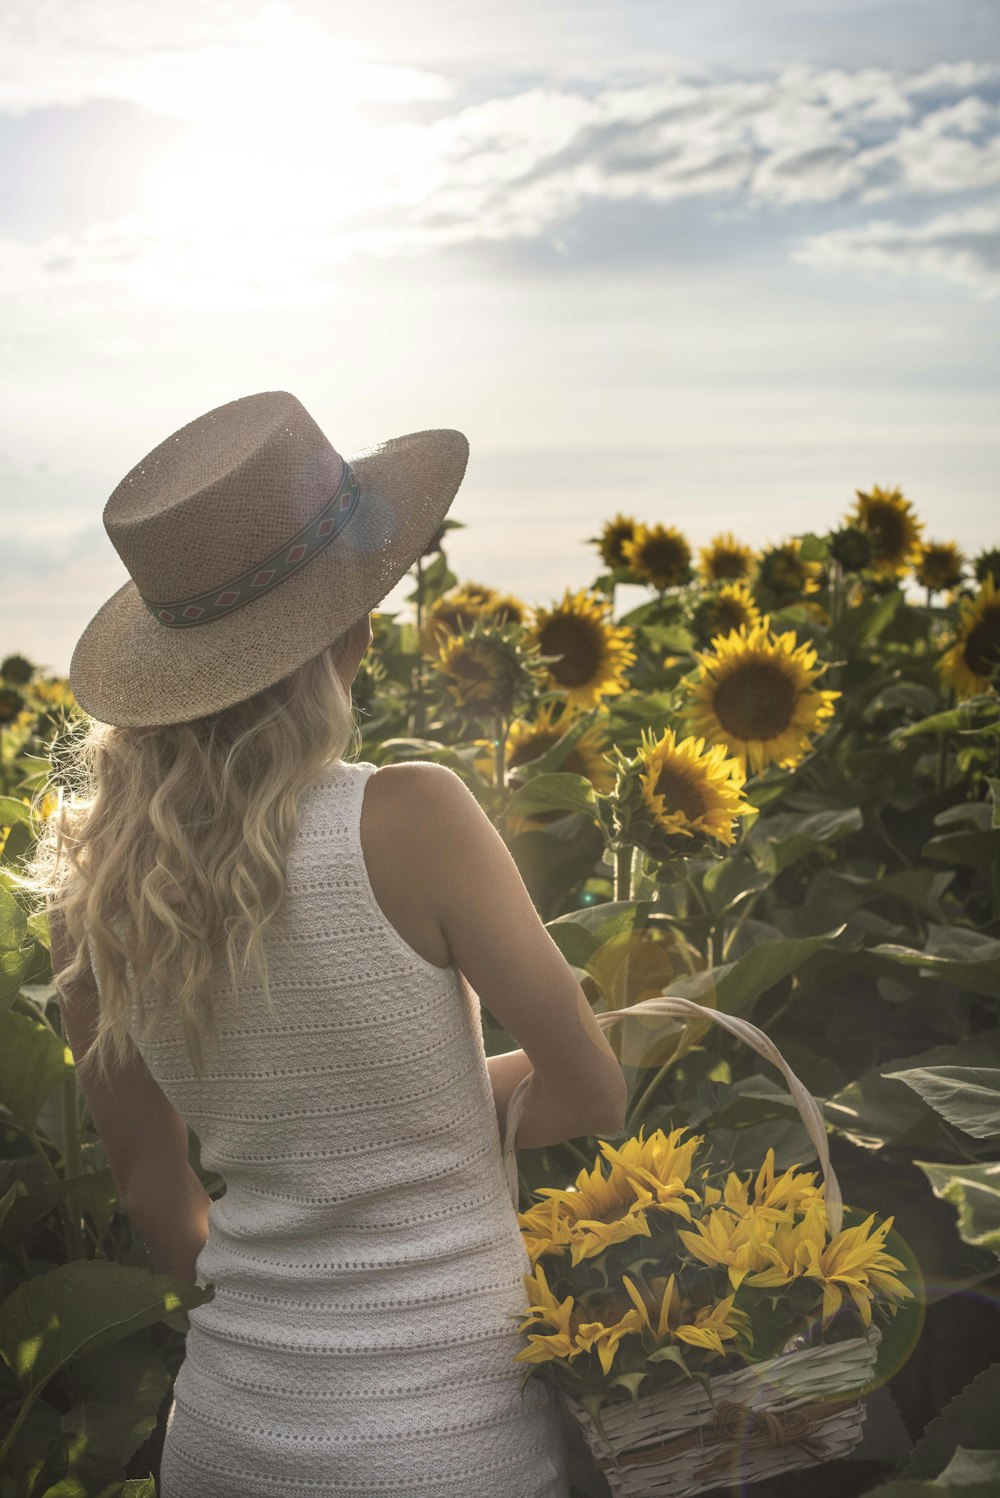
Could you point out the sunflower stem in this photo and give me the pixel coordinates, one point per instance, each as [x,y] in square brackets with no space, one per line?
[500,750]
[623,873]
[420,594]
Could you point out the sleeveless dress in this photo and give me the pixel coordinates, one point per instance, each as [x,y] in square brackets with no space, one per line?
[366,1256]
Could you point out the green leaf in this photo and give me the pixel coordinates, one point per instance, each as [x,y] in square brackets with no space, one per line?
[670,1355]
[969,1420]
[955,955]
[32,1062]
[14,813]
[574,941]
[967,1096]
[120,1390]
[609,919]
[80,1307]
[974,1191]
[14,957]
[869,619]
[6,1201]
[736,986]
[632,1382]
[994,786]
[779,841]
[973,850]
[560,791]
[35,1454]
[813,548]
[878,1109]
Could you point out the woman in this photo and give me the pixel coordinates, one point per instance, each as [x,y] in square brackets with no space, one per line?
[284,948]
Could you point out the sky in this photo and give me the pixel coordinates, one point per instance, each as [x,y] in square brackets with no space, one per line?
[709,263]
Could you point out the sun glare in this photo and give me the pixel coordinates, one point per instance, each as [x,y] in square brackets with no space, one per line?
[292,147]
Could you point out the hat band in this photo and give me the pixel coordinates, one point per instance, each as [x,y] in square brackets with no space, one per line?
[271,571]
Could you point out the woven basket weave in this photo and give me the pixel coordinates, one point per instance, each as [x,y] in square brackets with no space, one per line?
[795,1411]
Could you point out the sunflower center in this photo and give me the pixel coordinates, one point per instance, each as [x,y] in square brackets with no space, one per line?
[755,702]
[885,524]
[982,647]
[531,748]
[578,642]
[665,555]
[680,795]
[726,564]
[617,1208]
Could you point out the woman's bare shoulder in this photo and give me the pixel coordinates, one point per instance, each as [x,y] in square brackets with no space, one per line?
[417,794]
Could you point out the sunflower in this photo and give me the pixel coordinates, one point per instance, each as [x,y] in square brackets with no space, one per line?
[16,669]
[506,608]
[592,651]
[754,693]
[527,740]
[723,610]
[854,1261]
[660,555]
[660,1164]
[569,1334]
[490,668]
[609,542]
[893,529]
[987,565]
[851,547]
[11,704]
[783,576]
[972,662]
[453,613]
[688,791]
[599,1210]
[725,559]
[941,566]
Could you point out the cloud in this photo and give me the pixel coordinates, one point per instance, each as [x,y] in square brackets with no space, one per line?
[517,167]
[189,60]
[963,247]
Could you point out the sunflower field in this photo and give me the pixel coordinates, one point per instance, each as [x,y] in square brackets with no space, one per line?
[770,786]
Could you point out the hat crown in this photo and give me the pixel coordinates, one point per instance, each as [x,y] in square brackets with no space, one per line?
[220,494]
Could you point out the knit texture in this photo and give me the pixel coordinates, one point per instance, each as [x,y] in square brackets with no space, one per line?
[366,1257]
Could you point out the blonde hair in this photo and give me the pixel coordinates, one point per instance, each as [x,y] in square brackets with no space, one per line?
[175,840]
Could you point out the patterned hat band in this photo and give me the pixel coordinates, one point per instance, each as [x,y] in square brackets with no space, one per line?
[273,570]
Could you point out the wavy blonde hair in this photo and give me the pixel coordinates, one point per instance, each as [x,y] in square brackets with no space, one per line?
[168,842]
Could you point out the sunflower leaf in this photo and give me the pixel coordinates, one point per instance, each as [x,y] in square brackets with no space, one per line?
[974,1192]
[967,1096]
[560,791]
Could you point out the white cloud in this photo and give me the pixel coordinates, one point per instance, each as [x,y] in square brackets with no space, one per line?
[261,206]
[190,60]
[963,247]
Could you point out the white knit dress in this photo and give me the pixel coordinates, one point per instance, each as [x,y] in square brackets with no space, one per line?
[366,1256]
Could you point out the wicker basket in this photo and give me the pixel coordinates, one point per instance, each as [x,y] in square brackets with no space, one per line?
[795,1411]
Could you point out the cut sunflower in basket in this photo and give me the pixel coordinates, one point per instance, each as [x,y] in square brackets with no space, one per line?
[657,1266]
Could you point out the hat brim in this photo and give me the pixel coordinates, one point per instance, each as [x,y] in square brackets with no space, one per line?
[130,670]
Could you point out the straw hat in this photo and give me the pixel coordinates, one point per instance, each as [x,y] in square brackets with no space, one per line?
[252,545]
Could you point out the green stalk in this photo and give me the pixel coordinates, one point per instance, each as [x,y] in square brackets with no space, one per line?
[73,1162]
[638,1107]
[623,873]
[748,905]
[500,750]
[22,1415]
[420,593]
[72,1156]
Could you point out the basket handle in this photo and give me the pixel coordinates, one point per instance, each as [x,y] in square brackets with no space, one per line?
[674,1008]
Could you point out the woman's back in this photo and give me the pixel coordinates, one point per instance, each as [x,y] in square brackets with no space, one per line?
[366,1255]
